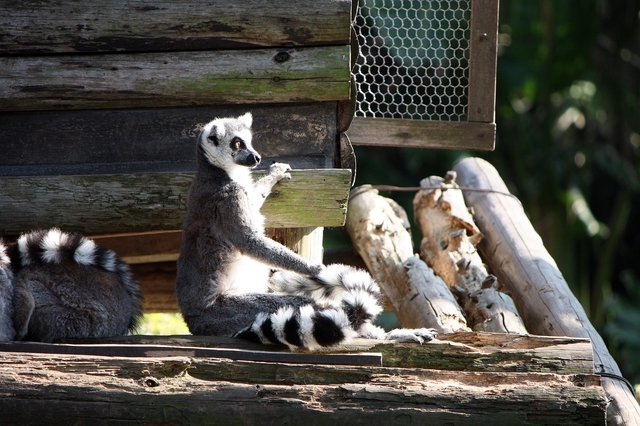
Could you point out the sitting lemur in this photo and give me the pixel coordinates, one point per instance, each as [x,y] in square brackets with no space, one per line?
[55,285]
[234,281]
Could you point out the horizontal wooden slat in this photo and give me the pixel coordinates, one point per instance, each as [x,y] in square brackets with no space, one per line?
[158,139]
[174,79]
[67,26]
[156,201]
[422,134]
[462,351]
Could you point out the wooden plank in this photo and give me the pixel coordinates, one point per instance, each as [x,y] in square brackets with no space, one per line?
[141,351]
[66,26]
[422,134]
[179,390]
[483,54]
[174,79]
[462,351]
[157,201]
[157,285]
[516,254]
[159,139]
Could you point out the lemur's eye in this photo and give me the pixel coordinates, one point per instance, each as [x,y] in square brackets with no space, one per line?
[236,143]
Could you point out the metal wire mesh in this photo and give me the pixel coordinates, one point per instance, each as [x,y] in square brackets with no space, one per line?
[414,59]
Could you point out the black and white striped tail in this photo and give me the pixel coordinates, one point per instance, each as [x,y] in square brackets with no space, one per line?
[5,260]
[308,327]
[348,301]
[53,246]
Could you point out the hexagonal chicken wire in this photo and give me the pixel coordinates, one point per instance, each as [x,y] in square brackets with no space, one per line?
[429,62]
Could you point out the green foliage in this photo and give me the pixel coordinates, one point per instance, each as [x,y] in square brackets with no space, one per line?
[162,324]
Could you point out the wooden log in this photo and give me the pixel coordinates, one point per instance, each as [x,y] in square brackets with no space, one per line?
[517,255]
[422,134]
[100,390]
[449,247]
[66,26]
[307,242]
[174,79]
[156,201]
[159,139]
[379,234]
[449,235]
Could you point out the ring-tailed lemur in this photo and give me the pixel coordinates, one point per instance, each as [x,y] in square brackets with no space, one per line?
[225,284]
[55,285]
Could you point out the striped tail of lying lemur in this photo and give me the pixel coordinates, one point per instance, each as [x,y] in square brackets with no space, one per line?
[55,285]
[234,281]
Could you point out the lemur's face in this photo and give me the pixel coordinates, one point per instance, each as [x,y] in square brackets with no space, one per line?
[226,143]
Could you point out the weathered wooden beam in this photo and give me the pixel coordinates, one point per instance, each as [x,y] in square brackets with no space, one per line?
[174,79]
[65,26]
[100,390]
[158,139]
[483,55]
[157,201]
[517,256]
[465,351]
[157,285]
[422,134]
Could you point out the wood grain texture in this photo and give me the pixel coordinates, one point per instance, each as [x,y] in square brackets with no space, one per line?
[483,55]
[67,26]
[516,254]
[379,234]
[159,139]
[38,388]
[157,201]
[467,351]
[174,79]
[422,134]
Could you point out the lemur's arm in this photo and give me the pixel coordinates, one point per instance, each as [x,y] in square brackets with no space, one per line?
[244,233]
[275,254]
[263,186]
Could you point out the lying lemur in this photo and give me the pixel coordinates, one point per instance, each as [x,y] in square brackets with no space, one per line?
[234,281]
[55,285]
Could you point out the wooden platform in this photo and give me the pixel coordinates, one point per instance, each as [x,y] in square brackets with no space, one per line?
[461,379]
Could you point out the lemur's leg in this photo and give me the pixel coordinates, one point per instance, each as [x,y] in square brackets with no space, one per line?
[7,330]
[277,172]
[23,306]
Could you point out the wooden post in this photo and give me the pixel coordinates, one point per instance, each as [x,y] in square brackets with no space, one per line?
[419,298]
[518,257]
[307,242]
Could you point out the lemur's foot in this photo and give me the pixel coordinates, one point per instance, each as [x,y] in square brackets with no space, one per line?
[280,171]
[417,335]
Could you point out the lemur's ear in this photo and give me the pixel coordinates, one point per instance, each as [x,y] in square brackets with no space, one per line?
[246,119]
[215,134]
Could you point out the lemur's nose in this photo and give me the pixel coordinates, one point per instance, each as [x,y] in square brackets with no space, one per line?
[256,159]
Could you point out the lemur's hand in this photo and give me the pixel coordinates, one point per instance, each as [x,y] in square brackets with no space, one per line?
[315,270]
[279,170]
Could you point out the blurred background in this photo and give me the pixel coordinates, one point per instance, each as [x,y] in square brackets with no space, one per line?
[568,145]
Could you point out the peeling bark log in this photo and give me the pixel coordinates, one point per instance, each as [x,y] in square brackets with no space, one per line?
[517,255]
[381,238]
[448,246]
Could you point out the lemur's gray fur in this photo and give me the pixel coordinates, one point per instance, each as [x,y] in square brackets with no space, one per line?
[55,285]
[234,281]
